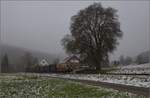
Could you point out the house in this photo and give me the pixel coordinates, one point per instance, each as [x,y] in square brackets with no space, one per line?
[72,59]
[69,64]
[43,66]
[43,62]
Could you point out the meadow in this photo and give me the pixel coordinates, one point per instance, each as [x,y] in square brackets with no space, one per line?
[35,86]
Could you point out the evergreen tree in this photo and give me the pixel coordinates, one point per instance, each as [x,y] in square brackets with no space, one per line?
[5,64]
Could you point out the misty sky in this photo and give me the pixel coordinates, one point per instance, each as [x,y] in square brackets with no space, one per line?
[40,25]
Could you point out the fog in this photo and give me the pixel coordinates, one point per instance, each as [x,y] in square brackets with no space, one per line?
[40,25]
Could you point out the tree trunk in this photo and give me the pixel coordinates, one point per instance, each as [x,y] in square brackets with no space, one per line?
[98,68]
[98,65]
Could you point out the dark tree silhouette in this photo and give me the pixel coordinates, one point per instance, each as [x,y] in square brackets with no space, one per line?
[94,34]
[128,60]
[5,64]
[56,61]
[35,61]
[143,57]
[27,61]
[122,60]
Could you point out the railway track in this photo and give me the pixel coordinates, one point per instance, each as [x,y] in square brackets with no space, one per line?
[145,91]
[127,88]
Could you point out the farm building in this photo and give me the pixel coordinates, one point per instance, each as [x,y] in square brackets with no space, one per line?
[69,64]
[43,62]
[45,66]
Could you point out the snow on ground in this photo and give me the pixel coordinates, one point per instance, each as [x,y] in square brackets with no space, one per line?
[136,80]
[133,69]
[32,85]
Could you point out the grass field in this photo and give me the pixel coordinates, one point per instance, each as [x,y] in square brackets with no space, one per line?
[32,86]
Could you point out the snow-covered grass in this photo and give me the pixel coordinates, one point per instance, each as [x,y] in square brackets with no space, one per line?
[133,69]
[134,80]
[37,86]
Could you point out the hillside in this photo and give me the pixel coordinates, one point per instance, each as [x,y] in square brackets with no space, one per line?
[15,53]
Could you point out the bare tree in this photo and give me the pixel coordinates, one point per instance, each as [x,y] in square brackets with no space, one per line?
[94,34]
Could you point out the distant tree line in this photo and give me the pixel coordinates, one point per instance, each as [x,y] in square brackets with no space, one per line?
[26,63]
[141,58]
[126,60]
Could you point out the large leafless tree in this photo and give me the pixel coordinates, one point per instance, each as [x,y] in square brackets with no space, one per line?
[94,34]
